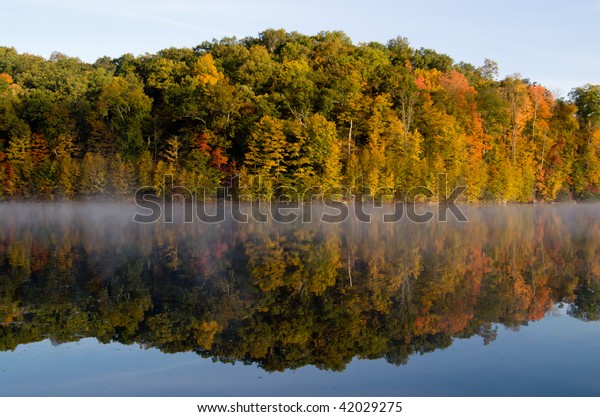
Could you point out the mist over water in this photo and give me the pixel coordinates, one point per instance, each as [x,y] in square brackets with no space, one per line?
[329,296]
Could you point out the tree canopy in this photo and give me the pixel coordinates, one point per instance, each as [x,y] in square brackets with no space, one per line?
[311,112]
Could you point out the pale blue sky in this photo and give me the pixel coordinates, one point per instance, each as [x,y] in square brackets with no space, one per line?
[555,43]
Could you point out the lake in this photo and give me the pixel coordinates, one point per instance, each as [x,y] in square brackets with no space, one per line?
[504,304]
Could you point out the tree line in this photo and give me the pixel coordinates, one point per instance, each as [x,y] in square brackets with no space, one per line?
[289,110]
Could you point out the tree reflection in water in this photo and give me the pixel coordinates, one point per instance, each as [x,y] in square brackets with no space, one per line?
[285,296]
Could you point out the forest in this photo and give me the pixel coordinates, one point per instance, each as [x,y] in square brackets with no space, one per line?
[284,110]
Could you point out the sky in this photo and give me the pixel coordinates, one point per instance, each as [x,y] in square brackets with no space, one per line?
[555,43]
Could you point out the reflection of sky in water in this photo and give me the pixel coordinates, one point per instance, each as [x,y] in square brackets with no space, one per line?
[553,357]
[296,297]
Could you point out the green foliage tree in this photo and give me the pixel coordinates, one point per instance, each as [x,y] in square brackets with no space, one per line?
[125,107]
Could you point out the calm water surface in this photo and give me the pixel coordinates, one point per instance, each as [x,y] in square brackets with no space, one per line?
[92,303]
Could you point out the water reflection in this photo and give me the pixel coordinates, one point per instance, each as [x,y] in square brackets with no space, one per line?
[285,296]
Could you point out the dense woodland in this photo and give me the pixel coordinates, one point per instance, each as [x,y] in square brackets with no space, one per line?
[285,296]
[309,112]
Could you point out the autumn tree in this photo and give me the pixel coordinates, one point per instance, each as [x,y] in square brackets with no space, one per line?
[315,155]
[586,170]
[266,158]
